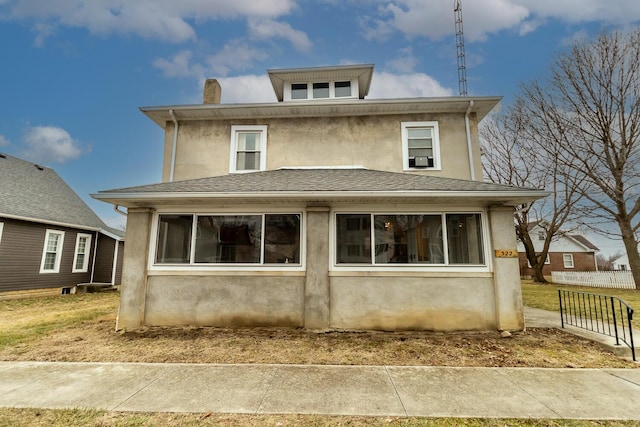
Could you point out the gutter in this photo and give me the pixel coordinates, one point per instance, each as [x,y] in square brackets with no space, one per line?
[175,143]
[469,147]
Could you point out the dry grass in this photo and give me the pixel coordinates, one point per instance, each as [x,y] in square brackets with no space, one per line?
[81,328]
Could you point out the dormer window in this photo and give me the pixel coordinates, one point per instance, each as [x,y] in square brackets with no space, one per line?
[321,90]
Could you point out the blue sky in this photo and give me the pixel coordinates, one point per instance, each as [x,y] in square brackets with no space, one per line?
[73,73]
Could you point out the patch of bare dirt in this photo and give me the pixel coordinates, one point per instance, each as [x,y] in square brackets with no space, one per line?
[96,341]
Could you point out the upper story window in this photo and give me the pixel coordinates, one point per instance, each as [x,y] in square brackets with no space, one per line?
[248,148]
[52,251]
[81,256]
[321,90]
[420,145]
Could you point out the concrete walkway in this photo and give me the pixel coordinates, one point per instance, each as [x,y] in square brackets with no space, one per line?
[333,390]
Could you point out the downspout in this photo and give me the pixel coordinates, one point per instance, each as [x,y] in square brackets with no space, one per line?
[175,143]
[115,262]
[469,148]
[95,252]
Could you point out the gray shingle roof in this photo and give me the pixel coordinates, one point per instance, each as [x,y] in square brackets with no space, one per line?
[37,193]
[317,180]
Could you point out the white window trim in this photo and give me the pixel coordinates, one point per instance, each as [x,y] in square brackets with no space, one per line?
[56,268]
[250,267]
[332,90]
[564,260]
[87,248]
[486,237]
[1,229]
[437,165]
[235,129]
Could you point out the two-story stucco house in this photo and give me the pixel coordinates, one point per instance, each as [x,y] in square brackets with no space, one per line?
[323,210]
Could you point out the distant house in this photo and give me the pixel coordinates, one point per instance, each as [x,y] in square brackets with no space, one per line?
[323,210]
[567,252]
[622,263]
[50,238]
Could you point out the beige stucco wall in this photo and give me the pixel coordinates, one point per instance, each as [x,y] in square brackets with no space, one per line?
[225,301]
[371,141]
[413,303]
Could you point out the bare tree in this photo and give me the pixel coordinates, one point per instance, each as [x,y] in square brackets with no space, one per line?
[606,262]
[591,104]
[512,154]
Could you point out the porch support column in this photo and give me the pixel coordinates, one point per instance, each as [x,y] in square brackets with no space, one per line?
[134,269]
[316,289]
[506,271]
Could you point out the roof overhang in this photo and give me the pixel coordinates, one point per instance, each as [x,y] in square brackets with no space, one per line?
[476,198]
[358,107]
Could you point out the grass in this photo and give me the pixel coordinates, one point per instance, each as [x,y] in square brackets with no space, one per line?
[24,320]
[545,296]
[83,418]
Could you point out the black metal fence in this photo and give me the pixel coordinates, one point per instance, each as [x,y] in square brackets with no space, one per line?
[603,314]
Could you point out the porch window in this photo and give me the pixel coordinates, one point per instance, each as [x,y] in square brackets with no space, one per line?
[52,251]
[81,255]
[248,148]
[409,239]
[251,239]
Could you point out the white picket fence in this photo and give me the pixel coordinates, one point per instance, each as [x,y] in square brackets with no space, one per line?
[595,279]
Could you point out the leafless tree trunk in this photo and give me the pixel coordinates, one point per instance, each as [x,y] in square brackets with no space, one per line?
[592,104]
[512,155]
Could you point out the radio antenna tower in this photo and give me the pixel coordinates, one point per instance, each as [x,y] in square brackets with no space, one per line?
[462,68]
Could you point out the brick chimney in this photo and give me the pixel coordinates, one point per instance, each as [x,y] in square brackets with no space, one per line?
[212,92]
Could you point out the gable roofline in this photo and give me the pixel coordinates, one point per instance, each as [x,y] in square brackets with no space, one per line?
[362,72]
[482,105]
[576,238]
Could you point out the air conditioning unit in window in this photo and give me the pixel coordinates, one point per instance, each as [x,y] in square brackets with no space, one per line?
[423,162]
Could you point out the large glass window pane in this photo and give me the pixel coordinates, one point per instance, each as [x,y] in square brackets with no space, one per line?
[342,89]
[282,239]
[174,239]
[353,238]
[299,91]
[321,90]
[464,238]
[409,239]
[248,141]
[248,161]
[228,239]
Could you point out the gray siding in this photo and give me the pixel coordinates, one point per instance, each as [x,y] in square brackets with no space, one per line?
[104,260]
[21,254]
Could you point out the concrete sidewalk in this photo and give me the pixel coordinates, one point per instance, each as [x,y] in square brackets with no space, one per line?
[333,390]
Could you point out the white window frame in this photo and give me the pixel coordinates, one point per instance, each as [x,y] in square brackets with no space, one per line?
[332,90]
[1,229]
[220,267]
[405,126]
[59,247]
[237,129]
[568,257]
[447,267]
[85,263]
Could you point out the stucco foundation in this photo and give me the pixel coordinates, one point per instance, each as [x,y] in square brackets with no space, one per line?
[225,301]
[416,303]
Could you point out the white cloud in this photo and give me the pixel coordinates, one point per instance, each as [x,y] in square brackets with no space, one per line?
[50,144]
[268,28]
[246,89]
[179,65]
[481,18]
[4,141]
[405,63]
[161,19]
[235,55]
[387,85]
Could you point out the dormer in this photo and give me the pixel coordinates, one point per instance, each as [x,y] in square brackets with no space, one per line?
[343,82]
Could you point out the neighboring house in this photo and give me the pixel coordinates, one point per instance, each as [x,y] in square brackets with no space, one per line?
[322,210]
[50,238]
[567,252]
[622,263]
